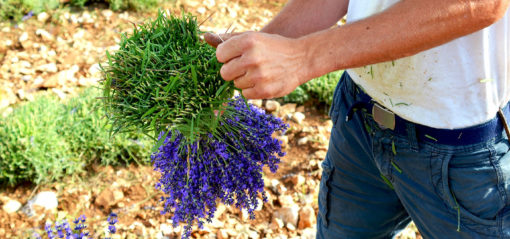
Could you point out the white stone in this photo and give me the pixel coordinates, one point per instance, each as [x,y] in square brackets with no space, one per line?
[166,229]
[284,139]
[46,199]
[286,200]
[291,227]
[272,105]
[288,109]
[50,68]
[23,37]
[11,206]
[309,233]
[26,78]
[209,3]
[257,103]
[298,117]
[260,204]
[23,40]
[107,14]
[45,35]
[201,10]
[302,141]
[43,17]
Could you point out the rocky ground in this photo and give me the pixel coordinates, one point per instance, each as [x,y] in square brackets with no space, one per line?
[59,51]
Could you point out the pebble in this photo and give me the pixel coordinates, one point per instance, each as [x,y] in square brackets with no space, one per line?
[284,139]
[166,229]
[297,180]
[222,234]
[43,17]
[290,226]
[308,233]
[209,3]
[302,141]
[276,223]
[109,197]
[50,68]
[107,14]
[288,214]
[201,10]
[11,206]
[307,217]
[45,35]
[286,200]
[298,117]
[287,109]
[257,103]
[23,40]
[272,105]
[45,199]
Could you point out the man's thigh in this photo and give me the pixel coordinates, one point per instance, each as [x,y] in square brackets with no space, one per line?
[354,200]
[454,192]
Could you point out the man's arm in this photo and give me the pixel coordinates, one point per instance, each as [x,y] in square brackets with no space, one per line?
[302,17]
[266,65]
[407,28]
[296,19]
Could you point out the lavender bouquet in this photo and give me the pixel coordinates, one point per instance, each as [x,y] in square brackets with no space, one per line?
[210,147]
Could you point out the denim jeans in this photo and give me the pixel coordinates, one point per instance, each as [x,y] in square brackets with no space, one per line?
[374,182]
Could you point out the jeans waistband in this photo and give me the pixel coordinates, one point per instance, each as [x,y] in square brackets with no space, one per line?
[455,137]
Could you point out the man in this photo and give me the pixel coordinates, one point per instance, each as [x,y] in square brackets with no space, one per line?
[419,117]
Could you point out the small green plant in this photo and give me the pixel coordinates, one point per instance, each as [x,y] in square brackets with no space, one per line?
[15,9]
[320,89]
[44,140]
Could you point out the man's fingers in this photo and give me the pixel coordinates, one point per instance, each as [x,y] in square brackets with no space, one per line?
[212,39]
[243,83]
[233,69]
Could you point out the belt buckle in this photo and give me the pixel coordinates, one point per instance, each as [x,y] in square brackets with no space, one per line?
[383,117]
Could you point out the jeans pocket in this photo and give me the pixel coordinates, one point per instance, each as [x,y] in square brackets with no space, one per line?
[334,110]
[471,186]
[327,171]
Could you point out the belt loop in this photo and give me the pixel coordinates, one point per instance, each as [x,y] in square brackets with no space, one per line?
[505,123]
[411,136]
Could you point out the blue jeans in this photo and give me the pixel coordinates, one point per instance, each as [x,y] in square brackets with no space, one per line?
[374,182]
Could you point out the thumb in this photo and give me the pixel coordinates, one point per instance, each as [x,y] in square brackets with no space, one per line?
[214,39]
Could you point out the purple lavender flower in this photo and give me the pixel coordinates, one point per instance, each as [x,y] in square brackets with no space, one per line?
[64,230]
[28,16]
[226,167]
[112,219]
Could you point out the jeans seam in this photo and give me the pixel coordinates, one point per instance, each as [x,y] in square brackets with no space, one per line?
[502,192]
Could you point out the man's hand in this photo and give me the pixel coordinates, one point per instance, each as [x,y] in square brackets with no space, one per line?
[261,65]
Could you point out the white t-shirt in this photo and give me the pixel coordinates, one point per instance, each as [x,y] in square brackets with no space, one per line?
[459,84]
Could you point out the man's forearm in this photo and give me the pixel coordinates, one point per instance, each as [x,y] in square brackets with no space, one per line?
[302,17]
[404,29]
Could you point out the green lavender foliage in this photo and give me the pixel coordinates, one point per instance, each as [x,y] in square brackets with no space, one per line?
[15,9]
[164,78]
[46,139]
[320,89]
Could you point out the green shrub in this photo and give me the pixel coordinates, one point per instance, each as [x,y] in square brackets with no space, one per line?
[320,89]
[44,140]
[15,9]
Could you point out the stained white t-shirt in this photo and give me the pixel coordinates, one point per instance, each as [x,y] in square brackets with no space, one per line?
[459,84]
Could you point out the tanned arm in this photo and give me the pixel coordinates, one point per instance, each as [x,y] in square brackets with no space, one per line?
[302,17]
[268,65]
